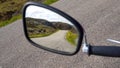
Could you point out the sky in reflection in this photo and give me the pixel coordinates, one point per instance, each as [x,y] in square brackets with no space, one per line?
[43,13]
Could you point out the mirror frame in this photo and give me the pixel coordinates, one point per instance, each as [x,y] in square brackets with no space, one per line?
[77,25]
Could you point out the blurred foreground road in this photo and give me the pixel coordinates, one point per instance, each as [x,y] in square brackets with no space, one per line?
[101,20]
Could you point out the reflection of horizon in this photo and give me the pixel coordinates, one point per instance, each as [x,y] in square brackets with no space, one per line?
[51,21]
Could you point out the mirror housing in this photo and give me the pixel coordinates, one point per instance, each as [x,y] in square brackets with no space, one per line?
[69,24]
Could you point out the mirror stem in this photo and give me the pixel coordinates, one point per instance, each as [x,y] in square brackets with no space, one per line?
[85,45]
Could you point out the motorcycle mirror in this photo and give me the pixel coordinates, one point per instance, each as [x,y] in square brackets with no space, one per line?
[51,29]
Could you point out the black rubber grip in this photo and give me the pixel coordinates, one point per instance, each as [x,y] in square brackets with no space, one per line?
[111,51]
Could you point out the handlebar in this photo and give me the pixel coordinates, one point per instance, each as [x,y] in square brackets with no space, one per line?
[111,51]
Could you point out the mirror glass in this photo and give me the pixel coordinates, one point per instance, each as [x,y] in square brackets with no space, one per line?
[49,29]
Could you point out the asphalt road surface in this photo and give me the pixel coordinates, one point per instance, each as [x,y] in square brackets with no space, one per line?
[56,41]
[101,20]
